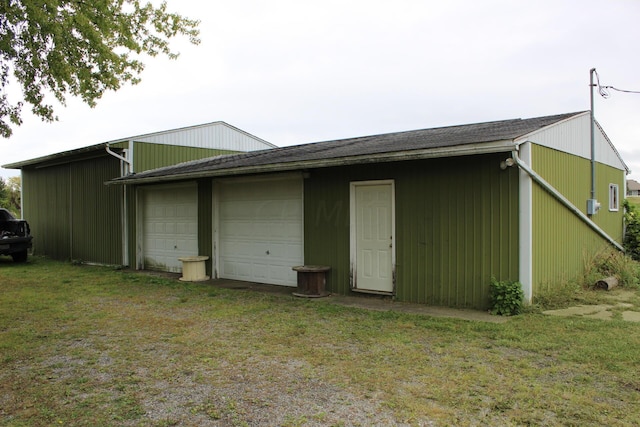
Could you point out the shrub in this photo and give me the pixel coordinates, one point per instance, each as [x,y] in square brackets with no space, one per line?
[505,297]
[631,241]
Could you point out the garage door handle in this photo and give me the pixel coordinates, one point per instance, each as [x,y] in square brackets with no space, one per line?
[267,252]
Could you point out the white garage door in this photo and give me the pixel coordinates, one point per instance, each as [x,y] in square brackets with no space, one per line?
[260,230]
[169,226]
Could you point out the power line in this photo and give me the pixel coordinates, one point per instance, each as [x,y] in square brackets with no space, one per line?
[604,90]
[621,90]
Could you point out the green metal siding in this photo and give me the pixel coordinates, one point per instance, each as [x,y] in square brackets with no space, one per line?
[46,207]
[72,214]
[562,243]
[150,156]
[610,221]
[326,224]
[96,209]
[456,226]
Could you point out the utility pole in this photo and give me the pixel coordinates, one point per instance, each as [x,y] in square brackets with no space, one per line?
[592,203]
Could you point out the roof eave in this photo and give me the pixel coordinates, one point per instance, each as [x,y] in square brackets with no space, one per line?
[456,151]
[55,157]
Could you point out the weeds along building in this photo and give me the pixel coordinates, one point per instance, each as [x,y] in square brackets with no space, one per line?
[426,216]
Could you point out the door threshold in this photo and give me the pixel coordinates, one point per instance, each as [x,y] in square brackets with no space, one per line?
[370,291]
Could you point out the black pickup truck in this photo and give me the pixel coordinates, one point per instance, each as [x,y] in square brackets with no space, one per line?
[15,236]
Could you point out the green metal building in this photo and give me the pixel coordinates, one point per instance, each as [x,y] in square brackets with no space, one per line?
[72,213]
[427,216]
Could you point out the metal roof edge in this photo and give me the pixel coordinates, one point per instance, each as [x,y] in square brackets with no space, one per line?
[55,156]
[101,145]
[456,151]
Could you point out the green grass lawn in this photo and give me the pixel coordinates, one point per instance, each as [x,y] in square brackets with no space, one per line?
[84,345]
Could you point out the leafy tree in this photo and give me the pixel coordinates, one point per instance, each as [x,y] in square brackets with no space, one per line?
[78,47]
[4,194]
[14,185]
[10,194]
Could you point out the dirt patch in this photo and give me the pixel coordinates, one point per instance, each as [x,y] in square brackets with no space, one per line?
[264,391]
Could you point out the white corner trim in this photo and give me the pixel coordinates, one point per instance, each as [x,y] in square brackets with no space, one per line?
[526,224]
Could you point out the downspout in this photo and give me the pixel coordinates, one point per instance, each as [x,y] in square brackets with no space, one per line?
[126,168]
[555,193]
[122,158]
[125,220]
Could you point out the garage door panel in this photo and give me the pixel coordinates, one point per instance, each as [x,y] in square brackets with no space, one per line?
[293,250]
[280,273]
[170,228]
[271,231]
[261,231]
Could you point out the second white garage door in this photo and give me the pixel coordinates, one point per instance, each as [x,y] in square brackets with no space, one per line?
[260,230]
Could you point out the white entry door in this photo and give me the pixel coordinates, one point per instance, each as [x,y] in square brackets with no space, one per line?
[260,230]
[169,226]
[372,236]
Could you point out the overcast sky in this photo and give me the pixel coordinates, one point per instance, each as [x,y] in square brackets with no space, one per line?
[294,72]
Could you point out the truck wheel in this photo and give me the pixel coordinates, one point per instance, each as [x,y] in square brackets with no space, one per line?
[19,256]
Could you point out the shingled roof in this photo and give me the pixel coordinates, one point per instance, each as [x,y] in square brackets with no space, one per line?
[466,139]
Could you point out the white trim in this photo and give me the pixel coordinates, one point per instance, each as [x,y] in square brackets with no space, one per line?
[139,228]
[302,200]
[526,224]
[215,213]
[353,233]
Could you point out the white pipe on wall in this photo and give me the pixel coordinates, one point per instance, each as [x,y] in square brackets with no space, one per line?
[555,193]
